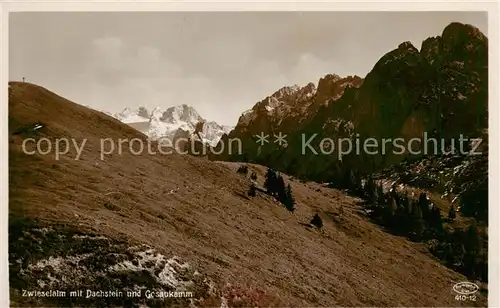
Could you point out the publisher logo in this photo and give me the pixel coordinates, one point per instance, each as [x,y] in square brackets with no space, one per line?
[466,288]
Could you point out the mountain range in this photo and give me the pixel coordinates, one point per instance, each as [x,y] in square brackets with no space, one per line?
[441,90]
[131,222]
[173,122]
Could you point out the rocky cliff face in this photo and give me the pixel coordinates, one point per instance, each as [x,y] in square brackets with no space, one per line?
[440,90]
[287,111]
[289,108]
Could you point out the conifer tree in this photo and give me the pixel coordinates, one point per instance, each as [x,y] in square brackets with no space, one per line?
[405,202]
[270,181]
[348,181]
[371,190]
[451,213]
[358,183]
[473,243]
[424,205]
[290,200]
[252,191]
[418,221]
[381,195]
[435,218]
[409,208]
[281,189]
[280,183]
[394,206]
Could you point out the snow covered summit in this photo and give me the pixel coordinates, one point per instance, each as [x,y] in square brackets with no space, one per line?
[177,120]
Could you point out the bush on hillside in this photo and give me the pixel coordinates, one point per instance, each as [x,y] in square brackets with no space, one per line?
[243,169]
[252,192]
[316,221]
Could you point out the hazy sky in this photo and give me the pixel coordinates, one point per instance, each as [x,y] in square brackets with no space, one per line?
[219,63]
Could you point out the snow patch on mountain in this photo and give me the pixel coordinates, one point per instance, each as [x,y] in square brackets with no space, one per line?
[166,122]
[181,120]
[131,116]
[269,108]
[211,132]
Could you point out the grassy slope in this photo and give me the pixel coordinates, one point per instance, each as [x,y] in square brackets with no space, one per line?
[193,208]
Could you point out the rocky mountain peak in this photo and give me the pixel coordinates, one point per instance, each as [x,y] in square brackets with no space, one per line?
[331,87]
[430,48]
[407,46]
[181,113]
[128,115]
[143,112]
[307,92]
[328,78]
[465,43]
[405,54]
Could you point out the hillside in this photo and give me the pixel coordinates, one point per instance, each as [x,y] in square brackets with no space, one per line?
[182,223]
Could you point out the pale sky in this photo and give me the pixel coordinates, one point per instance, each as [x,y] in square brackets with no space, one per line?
[219,63]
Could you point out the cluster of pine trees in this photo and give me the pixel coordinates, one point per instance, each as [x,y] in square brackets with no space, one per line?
[275,186]
[420,220]
[402,214]
[348,179]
